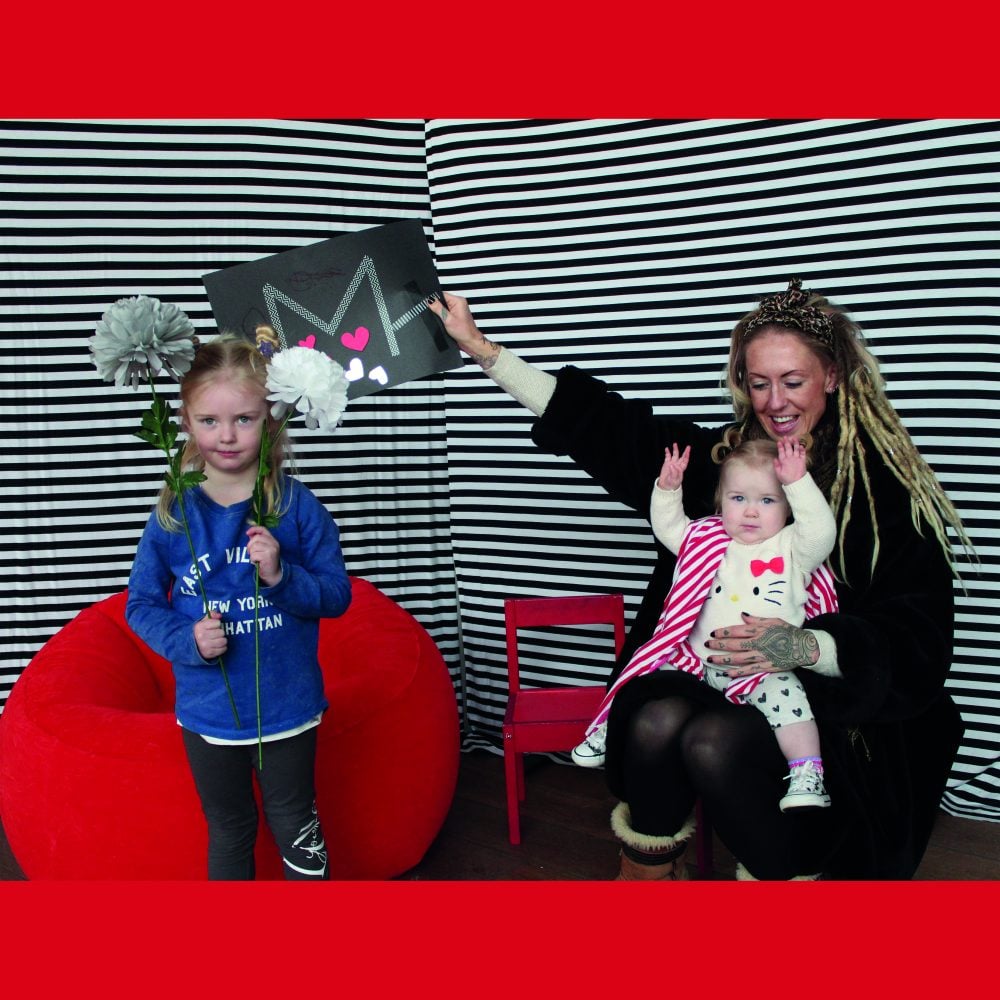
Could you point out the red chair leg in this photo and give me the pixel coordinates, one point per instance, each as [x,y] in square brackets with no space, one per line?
[513,766]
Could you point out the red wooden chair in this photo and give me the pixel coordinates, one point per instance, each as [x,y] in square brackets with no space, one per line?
[549,719]
[554,719]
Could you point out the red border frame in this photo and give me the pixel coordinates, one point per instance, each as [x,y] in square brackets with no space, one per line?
[450,58]
[522,60]
[481,940]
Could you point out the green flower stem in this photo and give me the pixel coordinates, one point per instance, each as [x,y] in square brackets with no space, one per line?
[161,432]
[256,663]
[204,604]
[267,520]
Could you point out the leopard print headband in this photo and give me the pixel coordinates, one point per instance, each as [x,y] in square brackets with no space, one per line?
[789,309]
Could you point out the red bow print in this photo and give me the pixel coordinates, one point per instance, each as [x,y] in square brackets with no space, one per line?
[776,565]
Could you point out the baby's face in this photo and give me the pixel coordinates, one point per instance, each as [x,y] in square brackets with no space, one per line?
[754,507]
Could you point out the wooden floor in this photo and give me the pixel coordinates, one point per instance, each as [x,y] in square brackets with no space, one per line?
[565,833]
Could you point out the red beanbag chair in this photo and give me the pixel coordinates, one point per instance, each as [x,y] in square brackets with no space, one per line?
[94,783]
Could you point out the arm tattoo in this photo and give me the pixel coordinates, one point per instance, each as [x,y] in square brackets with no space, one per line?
[487,361]
[787,647]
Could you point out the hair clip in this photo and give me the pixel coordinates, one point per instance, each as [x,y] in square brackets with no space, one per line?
[266,340]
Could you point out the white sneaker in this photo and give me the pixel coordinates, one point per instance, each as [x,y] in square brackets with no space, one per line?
[590,753]
[805,788]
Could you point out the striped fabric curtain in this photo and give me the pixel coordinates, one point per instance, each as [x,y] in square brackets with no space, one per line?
[629,248]
[95,211]
[625,247]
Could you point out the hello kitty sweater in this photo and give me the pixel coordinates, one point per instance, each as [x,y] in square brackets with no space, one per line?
[768,579]
[717,578]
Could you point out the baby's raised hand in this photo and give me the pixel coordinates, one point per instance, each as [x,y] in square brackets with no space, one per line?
[674,464]
[790,465]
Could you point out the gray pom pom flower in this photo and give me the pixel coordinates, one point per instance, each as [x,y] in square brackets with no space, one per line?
[139,337]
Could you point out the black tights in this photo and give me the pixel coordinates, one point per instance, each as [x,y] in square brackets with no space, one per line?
[677,750]
[223,776]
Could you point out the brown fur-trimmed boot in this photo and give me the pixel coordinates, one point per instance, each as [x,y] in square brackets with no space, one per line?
[649,858]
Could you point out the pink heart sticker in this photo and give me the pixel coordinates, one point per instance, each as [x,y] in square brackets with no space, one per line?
[310,341]
[356,341]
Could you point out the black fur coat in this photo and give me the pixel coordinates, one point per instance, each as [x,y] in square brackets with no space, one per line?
[889,731]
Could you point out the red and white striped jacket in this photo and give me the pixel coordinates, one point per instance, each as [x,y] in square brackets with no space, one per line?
[698,559]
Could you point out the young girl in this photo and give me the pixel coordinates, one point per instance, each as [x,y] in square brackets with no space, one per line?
[749,561]
[302,579]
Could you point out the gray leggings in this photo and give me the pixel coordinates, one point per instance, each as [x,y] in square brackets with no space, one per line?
[223,775]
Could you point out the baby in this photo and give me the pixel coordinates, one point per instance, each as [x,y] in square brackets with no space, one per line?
[745,558]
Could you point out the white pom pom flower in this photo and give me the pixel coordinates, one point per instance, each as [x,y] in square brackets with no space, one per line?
[308,381]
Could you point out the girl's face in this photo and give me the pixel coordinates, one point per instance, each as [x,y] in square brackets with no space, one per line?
[787,384]
[226,419]
[753,506]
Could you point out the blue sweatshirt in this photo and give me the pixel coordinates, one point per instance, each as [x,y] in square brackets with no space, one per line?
[164,602]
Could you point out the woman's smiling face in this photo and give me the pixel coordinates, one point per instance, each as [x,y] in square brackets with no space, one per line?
[787,383]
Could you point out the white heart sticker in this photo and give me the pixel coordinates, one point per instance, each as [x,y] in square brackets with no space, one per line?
[354,370]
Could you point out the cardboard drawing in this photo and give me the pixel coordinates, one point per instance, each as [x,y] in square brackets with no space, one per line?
[361,298]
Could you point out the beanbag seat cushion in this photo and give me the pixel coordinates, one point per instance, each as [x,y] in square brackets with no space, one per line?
[94,782]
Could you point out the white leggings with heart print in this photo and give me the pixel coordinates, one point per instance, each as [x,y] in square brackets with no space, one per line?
[781,698]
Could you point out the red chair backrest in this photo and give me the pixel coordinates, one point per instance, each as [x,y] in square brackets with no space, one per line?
[585,609]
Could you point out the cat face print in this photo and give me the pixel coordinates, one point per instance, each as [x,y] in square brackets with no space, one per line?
[759,591]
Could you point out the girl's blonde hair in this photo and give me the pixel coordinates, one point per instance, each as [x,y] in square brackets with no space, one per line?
[227,358]
[837,452]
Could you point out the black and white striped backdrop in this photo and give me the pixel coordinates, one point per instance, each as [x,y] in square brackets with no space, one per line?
[625,247]
[630,248]
[93,211]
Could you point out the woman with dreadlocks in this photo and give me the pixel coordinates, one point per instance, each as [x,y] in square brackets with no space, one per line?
[873,670]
